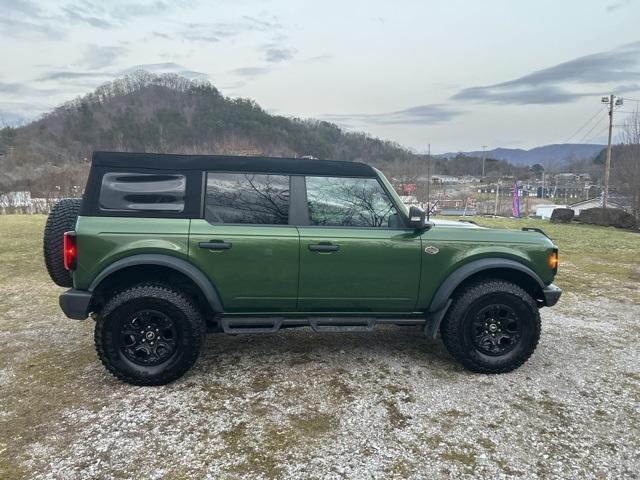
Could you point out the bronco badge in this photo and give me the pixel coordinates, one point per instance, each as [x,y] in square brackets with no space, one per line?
[431,250]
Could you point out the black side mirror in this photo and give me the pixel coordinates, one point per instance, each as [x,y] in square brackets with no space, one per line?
[416,218]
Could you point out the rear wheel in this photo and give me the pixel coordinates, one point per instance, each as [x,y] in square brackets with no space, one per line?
[62,219]
[492,327]
[149,335]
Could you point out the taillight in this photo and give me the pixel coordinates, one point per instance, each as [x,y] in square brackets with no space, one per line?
[70,250]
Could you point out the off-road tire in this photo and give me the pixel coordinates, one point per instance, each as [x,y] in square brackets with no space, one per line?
[62,219]
[189,324]
[457,326]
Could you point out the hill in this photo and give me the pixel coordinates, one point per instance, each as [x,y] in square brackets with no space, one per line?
[546,155]
[166,113]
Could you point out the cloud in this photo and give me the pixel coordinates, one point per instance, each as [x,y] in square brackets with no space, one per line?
[626,88]
[216,31]
[112,13]
[612,7]
[25,7]
[21,89]
[162,35]
[93,78]
[25,19]
[167,67]
[68,75]
[250,71]
[78,14]
[274,55]
[317,58]
[551,85]
[98,56]
[418,115]
[519,96]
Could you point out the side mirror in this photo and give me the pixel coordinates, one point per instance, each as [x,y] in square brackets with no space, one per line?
[416,218]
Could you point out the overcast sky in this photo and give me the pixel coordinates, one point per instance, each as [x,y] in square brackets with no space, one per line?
[457,74]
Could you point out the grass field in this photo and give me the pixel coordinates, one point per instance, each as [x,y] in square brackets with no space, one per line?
[303,405]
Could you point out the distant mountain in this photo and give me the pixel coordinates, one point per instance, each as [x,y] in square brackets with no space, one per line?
[546,155]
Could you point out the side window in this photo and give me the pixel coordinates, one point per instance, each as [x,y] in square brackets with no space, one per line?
[247,198]
[348,202]
[143,192]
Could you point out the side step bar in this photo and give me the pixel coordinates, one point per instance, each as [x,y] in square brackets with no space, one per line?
[342,324]
[251,324]
[235,325]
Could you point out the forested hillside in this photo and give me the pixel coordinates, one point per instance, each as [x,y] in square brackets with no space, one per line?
[167,113]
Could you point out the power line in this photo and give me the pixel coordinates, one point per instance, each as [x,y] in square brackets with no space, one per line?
[599,132]
[600,110]
[591,130]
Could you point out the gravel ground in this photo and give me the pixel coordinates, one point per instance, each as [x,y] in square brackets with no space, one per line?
[304,405]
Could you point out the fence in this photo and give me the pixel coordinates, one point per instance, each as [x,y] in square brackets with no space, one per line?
[22,202]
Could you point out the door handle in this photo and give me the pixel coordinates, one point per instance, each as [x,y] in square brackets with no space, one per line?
[324,247]
[215,245]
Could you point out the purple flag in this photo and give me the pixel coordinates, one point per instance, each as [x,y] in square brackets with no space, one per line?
[515,201]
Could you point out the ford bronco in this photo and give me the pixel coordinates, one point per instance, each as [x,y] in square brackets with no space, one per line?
[163,248]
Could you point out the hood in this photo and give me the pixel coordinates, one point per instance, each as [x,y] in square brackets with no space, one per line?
[454,223]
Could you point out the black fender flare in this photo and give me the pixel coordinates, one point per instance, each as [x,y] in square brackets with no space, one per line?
[442,298]
[182,266]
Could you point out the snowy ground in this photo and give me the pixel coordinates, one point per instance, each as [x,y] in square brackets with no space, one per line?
[303,405]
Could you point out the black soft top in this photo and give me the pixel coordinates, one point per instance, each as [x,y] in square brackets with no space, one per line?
[229,163]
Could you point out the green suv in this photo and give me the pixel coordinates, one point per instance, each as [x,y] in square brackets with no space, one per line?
[163,248]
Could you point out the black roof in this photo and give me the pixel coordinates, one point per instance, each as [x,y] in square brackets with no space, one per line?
[229,163]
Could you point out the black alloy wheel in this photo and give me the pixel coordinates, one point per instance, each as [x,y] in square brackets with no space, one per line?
[149,334]
[148,337]
[495,329]
[492,326]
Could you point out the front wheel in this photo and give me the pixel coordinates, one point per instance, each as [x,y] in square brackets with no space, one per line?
[149,335]
[492,327]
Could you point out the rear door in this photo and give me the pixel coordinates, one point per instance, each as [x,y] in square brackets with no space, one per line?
[245,243]
[355,253]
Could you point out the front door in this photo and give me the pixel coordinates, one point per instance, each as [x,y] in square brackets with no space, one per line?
[355,257]
[245,245]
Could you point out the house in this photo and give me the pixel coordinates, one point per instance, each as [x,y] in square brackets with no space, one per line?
[595,202]
[545,211]
[444,179]
[410,200]
[458,212]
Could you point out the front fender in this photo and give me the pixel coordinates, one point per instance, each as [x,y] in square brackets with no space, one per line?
[446,289]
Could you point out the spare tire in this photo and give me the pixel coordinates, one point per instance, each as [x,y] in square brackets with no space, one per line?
[62,219]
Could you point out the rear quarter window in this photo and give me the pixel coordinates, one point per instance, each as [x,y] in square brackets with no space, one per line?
[143,192]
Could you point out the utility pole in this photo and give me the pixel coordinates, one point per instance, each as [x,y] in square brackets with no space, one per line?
[495,208]
[607,165]
[484,155]
[428,181]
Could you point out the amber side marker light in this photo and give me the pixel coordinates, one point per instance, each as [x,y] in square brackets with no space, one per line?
[69,250]
[553,261]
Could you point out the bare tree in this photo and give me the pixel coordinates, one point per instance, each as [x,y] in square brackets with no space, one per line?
[626,167]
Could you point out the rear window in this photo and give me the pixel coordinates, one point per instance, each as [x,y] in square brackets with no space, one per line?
[247,198]
[143,192]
